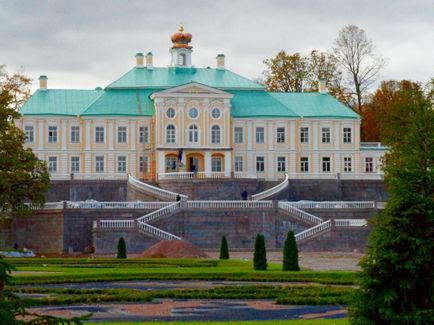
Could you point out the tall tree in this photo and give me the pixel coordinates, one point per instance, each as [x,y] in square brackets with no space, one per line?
[260,253]
[122,248]
[290,253]
[23,177]
[358,57]
[224,249]
[397,284]
[17,85]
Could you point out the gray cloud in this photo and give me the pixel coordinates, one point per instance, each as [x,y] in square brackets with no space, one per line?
[82,44]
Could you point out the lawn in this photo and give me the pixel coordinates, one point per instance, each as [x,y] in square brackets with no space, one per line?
[273,322]
[47,270]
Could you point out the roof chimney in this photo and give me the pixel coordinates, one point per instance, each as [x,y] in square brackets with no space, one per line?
[149,64]
[43,82]
[139,60]
[220,61]
[322,89]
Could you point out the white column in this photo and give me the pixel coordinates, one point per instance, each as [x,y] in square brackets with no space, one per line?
[161,167]
[271,164]
[250,164]
[110,134]
[87,167]
[249,135]
[133,135]
[41,129]
[270,138]
[63,168]
[208,163]
[292,135]
[337,143]
[228,163]
[132,161]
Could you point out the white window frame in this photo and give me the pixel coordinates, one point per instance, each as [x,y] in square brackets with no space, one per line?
[369,165]
[238,164]
[29,131]
[304,164]
[122,163]
[122,134]
[326,134]
[216,164]
[281,134]
[216,134]
[143,134]
[348,164]
[193,134]
[75,164]
[281,164]
[347,135]
[99,164]
[260,134]
[75,134]
[99,134]
[170,135]
[238,134]
[169,112]
[304,134]
[219,113]
[143,163]
[328,163]
[52,133]
[260,164]
[52,164]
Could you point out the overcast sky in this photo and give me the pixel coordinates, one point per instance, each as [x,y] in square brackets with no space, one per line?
[85,43]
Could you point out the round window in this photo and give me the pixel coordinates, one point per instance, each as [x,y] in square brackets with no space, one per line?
[170,112]
[215,113]
[193,113]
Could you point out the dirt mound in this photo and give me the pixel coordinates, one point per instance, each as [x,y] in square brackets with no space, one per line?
[174,249]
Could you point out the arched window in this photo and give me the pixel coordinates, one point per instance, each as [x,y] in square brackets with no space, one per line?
[181,59]
[170,134]
[216,164]
[193,134]
[215,134]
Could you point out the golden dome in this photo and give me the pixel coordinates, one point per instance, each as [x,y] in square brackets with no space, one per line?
[180,39]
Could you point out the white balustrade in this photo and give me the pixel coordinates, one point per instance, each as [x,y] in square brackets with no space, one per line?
[116,223]
[334,204]
[102,176]
[153,190]
[229,204]
[288,207]
[244,175]
[272,191]
[350,223]
[192,175]
[160,212]
[314,230]
[156,231]
[116,205]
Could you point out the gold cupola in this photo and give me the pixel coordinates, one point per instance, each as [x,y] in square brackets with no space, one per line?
[180,39]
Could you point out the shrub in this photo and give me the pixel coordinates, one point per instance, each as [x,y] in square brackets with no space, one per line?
[224,250]
[290,253]
[260,254]
[122,248]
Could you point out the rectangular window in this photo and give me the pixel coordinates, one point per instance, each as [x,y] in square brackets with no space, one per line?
[348,168]
[75,164]
[52,164]
[280,136]
[369,165]
[326,166]
[75,134]
[30,133]
[238,135]
[260,135]
[122,164]
[143,134]
[99,164]
[238,163]
[304,164]
[325,135]
[216,164]
[122,134]
[260,164]
[99,134]
[52,134]
[143,163]
[347,135]
[281,164]
[171,163]
[304,135]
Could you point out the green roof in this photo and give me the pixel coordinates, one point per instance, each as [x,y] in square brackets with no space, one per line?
[59,102]
[127,102]
[161,78]
[315,105]
[258,104]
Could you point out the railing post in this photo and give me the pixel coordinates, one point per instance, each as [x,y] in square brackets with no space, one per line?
[332,223]
[64,204]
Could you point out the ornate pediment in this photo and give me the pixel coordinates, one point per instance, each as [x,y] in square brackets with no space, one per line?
[192,89]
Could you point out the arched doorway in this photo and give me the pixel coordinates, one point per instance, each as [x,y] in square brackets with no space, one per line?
[194,162]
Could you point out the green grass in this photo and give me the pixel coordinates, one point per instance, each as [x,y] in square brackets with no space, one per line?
[45,270]
[272,322]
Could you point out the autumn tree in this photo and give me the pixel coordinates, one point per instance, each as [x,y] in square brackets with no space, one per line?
[23,177]
[397,273]
[357,56]
[17,85]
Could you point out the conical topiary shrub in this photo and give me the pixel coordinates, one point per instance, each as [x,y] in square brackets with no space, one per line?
[224,249]
[260,254]
[290,253]
[122,248]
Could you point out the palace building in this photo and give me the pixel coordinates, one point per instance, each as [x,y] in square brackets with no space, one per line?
[183,121]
